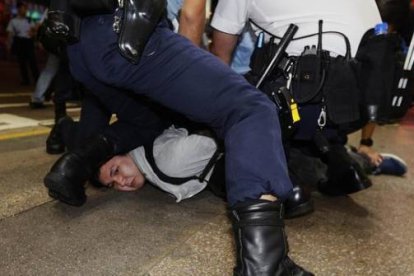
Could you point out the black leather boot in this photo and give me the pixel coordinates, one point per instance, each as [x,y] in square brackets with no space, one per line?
[299,203]
[67,177]
[261,242]
[345,175]
[139,19]
[54,142]
[60,110]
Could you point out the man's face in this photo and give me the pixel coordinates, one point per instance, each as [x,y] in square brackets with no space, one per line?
[22,10]
[121,173]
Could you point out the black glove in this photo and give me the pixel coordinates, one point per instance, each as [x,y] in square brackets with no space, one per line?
[51,44]
[62,26]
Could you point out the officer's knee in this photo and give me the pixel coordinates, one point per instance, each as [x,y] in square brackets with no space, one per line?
[263,108]
[257,110]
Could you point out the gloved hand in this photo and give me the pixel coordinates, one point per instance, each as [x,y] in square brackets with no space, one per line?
[51,44]
[62,26]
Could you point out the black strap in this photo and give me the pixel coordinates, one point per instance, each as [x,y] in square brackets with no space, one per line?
[347,43]
[367,142]
[213,160]
[149,155]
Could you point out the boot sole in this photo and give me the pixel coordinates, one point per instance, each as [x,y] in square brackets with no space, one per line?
[58,187]
[299,211]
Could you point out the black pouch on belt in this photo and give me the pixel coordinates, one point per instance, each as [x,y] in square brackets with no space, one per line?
[341,89]
[309,76]
[139,19]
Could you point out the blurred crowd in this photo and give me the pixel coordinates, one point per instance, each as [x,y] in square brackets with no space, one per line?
[8,10]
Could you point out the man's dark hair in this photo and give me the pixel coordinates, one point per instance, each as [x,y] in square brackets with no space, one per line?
[96,183]
[94,180]
[20,4]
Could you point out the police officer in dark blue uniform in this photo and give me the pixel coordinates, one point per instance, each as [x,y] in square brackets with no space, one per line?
[132,49]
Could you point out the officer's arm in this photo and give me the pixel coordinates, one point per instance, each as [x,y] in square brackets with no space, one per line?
[223,45]
[192,20]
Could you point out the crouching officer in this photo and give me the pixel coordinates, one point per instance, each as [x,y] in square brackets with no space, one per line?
[132,49]
[316,78]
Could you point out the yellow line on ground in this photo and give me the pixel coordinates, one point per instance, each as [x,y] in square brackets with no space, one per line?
[17,94]
[26,133]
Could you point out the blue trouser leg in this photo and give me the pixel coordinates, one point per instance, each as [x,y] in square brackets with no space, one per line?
[64,85]
[187,79]
[138,123]
[24,73]
[45,78]
[94,118]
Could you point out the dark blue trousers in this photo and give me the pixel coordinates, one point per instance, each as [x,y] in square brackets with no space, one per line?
[126,133]
[186,79]
[138,123]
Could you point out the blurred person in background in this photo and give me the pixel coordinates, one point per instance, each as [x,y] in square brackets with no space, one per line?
[21,34]
[44,81]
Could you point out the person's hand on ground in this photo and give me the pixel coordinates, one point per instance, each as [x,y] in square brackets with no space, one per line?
[374,157]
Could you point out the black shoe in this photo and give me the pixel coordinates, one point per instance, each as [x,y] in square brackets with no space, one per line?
[37,105]
[350,183]
[60,186]
[260,239]
[299,203]
[345,175]
[54,142]
[65,180]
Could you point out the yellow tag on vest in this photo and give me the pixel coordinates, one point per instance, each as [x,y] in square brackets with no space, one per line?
[295,112]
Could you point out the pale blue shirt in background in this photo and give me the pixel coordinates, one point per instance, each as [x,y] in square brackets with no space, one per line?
[240,62]
[20,27]
[173,8]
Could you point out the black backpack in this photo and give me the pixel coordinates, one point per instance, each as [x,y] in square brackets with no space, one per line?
[384,78]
